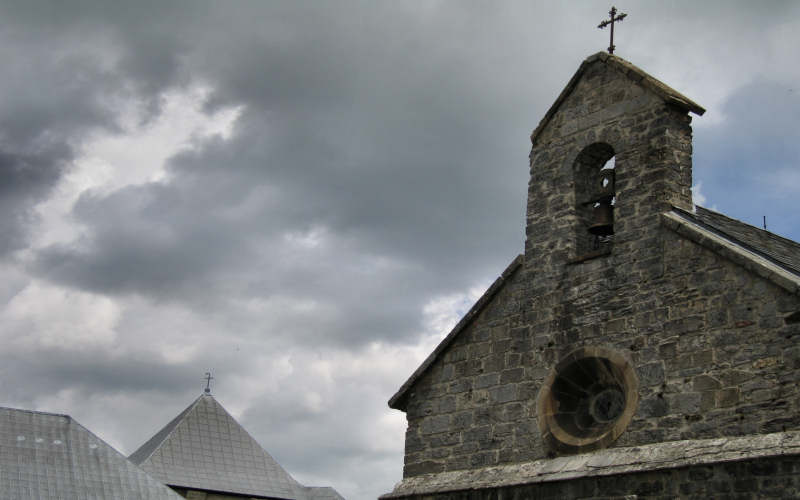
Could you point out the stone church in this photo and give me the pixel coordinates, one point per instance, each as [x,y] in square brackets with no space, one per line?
[641,347]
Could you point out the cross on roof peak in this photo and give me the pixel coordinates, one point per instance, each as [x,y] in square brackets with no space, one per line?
[613,18]
[208,378]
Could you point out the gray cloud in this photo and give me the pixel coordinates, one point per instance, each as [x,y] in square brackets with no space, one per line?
[24,180]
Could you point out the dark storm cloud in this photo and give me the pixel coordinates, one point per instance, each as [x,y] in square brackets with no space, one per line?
[358,125]
[89,372]
[25,179]
[61,83]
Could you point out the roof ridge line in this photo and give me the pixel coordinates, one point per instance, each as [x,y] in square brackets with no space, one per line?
[156,445]
[37,412]
[203,424]
[257,442]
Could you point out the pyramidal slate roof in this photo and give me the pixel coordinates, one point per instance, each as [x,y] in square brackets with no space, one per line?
[205,448]
[51,456]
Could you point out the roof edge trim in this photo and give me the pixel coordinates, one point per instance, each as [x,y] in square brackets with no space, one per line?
[397,401]
[146,450]
[38,412]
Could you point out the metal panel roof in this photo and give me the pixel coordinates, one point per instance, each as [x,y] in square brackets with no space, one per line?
[205,448]
[49,456]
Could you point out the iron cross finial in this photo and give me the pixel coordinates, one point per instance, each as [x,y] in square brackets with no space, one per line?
[208,378]
[614,18]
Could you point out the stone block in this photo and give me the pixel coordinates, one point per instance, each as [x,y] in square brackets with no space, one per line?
[512,375]
[651,374]
[727,397]
[685,403]
[503,393]
[435,424]
[705,383]
[487,380]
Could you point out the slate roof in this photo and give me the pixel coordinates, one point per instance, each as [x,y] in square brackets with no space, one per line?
[659,88]
[778,249]
[49,456]
[205,448]
[755,260]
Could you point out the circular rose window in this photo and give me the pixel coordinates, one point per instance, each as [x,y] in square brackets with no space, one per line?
[588,400]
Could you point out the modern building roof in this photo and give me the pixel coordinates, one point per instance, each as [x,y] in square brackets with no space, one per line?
[205,448]
[50,456]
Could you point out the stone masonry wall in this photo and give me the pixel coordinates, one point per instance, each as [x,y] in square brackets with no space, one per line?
[711,346]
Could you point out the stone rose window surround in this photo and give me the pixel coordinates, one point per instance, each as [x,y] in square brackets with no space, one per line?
[587,400]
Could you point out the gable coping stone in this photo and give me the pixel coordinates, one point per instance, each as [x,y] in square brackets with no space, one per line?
[397,401]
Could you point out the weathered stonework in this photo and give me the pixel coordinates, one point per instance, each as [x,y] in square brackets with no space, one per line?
[742,480]
[707,327]
[629,468]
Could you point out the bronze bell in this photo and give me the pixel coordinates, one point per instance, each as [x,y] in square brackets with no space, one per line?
[603,218]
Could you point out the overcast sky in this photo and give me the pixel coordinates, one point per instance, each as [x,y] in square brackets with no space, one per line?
[303,197]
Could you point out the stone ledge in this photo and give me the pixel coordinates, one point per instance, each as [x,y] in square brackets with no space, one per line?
[608,462]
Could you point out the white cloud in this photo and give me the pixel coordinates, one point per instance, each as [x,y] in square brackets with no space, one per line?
[135,155]
[42,315]
[698,198]
[442,313]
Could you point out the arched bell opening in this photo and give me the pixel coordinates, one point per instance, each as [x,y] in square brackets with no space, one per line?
[595,198]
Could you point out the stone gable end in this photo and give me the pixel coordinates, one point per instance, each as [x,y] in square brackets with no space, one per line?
[710,343]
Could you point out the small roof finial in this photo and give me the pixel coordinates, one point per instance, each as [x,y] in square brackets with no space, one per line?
[613,19]
[208,378]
